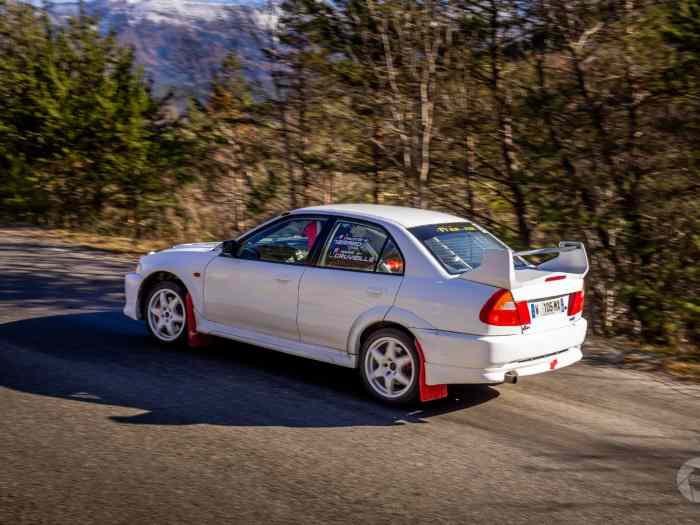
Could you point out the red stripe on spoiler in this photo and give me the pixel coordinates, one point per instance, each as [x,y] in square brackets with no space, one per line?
[555,278]
[427,392]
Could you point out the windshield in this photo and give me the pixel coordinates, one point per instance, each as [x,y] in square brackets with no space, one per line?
[458,246]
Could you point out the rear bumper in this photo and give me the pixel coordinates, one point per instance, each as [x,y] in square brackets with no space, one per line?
[132,284]
[453,358]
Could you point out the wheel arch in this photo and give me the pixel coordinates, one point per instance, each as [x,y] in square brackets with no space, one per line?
[382,317]
[152,280]
[379,325]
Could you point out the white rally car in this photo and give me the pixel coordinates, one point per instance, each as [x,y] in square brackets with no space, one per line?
[414,299]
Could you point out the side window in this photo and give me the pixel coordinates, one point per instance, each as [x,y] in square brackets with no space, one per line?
[288,242]
[353,246]
[391,260]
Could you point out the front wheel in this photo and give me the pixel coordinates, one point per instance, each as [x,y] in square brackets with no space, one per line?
[389,366]
[166,316]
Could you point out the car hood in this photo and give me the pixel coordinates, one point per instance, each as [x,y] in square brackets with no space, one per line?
[194,247]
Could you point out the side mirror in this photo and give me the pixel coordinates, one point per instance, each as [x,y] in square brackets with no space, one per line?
[229,248]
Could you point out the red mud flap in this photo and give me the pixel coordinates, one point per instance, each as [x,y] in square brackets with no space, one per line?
[194,339]
[428,392]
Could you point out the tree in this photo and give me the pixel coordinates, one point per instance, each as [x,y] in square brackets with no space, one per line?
[81,137]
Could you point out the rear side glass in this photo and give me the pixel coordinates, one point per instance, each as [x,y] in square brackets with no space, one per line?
[353,246]
[391,260]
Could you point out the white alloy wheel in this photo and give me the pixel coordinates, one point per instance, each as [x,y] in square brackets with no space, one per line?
[390,368]
[166,314]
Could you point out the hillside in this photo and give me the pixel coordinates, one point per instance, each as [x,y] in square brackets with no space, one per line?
[180,43]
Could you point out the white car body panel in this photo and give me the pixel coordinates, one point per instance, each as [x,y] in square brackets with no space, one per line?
[449,304]
[318,353]
[321,313]
[437,374]
[183,261]
[449,355]
[256,295]
[132,284]
[396,215]
[338,298]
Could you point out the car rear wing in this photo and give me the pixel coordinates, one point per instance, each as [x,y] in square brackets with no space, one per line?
[498,266]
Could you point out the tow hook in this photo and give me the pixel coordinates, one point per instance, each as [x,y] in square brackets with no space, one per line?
[511,377]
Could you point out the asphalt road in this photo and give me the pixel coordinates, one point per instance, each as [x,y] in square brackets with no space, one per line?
[100,425]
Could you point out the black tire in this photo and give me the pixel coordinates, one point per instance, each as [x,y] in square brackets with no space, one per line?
[377,386]
[178,310]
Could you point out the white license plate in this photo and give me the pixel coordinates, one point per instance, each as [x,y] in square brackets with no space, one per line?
[554,306]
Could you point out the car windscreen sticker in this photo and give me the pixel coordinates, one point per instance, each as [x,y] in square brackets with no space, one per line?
[454,228]
[349,241]
[348,248]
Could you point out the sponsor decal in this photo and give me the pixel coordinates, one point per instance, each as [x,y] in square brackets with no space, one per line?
[345,247]
[349,241]
[454,229]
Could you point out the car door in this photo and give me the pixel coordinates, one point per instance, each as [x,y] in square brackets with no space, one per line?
[258,288]
[359,269]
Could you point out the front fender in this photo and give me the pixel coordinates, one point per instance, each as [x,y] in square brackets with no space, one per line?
[187,267]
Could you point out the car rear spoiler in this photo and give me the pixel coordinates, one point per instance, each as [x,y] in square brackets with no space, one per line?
[498,266]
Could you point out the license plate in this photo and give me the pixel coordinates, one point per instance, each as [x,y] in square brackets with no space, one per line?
[554,306]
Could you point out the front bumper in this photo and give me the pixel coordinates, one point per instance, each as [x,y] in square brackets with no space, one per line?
[132,285]
[453,358]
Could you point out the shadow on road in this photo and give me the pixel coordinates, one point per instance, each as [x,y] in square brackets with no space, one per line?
[107,359]
[34,275]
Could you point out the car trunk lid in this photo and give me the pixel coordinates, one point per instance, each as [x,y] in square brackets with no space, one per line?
[545,291]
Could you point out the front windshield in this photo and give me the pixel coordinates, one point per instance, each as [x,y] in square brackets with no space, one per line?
[458,246]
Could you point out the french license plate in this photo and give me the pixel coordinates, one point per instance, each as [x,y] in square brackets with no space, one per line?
[556,305]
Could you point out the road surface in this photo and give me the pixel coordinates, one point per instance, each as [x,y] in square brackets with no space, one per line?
[100,425]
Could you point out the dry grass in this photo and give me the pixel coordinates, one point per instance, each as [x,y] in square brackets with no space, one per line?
[681,361]
[122,245]
[108,242]
[682,369]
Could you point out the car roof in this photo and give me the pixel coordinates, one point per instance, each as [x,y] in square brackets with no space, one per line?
[406,217]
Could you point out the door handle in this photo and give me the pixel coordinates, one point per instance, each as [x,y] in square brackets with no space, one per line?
[375,291]
[282,279]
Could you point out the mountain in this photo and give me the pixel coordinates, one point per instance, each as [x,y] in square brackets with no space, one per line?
[180,43]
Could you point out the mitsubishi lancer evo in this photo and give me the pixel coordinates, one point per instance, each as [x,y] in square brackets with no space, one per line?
[415,300]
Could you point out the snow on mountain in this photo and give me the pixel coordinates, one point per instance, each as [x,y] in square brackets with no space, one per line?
[179,12]
[180,43]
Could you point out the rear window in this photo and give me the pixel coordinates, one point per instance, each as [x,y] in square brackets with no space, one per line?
[459,246]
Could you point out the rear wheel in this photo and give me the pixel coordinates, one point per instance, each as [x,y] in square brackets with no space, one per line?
[166,316]
[389,366]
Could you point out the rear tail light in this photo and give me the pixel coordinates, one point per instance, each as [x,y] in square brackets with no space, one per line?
[576,303]
[502,310]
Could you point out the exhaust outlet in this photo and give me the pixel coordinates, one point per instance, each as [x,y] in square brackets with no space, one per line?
[511,377]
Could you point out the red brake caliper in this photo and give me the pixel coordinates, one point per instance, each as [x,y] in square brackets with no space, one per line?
[194,339]
[428,392]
